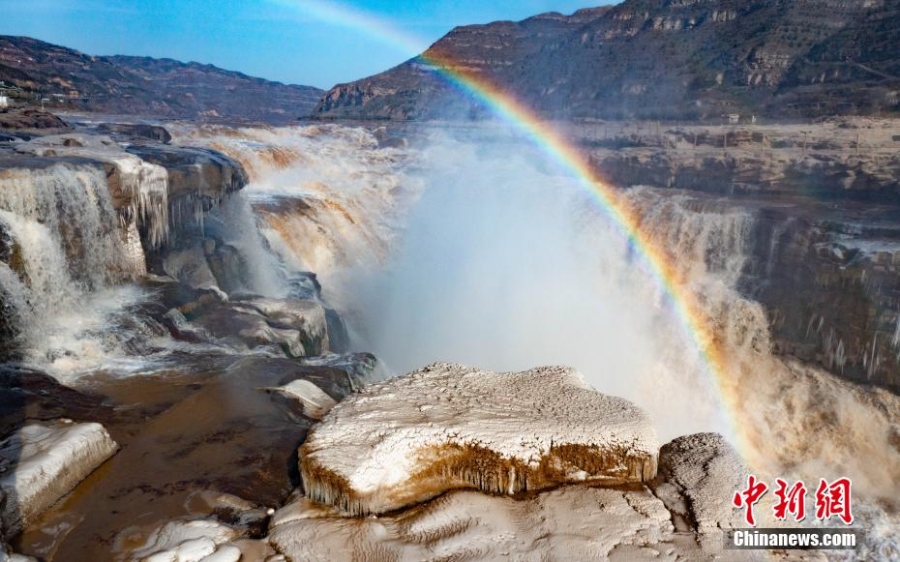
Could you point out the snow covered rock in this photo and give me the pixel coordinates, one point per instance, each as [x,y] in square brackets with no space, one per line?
[570,523]
[41,462]
[312,400]
[698,475]
[446,427]
[188,541]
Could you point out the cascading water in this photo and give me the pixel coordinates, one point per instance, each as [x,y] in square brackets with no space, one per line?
[67,258]
[328,198]
[465,251]
[502,263]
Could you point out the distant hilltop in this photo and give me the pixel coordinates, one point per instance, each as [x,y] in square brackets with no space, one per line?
[657,59]
[32,71]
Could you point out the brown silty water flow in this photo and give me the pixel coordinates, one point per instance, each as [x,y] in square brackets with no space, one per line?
[204,426]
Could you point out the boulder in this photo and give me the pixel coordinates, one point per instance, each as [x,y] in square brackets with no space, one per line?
[698,475]
[198,173]
[243,328]
[446,427]
[42,462]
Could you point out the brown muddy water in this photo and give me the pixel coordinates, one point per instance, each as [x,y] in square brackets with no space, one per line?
[204,427]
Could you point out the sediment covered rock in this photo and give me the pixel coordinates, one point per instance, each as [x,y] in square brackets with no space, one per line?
[44,461]
[448,427]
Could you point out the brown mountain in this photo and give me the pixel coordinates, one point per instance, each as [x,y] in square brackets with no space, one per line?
[145,86]
[681,59]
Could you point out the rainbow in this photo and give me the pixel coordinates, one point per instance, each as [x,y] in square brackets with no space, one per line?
[570,159]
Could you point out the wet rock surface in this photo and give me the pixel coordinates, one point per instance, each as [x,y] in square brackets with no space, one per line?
[203,428]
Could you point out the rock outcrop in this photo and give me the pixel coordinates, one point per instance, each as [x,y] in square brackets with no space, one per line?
[42,462]
[570,523]
[449,427]
[654,59]
[20,123]
[820,205]
[145,86]
[682,515]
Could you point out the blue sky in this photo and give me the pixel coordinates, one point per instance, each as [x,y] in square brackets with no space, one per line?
[280,40]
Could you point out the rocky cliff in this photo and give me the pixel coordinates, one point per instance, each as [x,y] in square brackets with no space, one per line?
[145,86]
[822,247]
[667,59]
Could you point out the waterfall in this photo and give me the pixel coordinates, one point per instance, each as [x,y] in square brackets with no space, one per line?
[328,198]
[67,258]
[501,262]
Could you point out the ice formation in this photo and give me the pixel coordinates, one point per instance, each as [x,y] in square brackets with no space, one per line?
[44,461]
[190,541]
[570,523]
[312,399]
[449,427]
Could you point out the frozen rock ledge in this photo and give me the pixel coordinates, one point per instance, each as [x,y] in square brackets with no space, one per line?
[41,462]
[447,427]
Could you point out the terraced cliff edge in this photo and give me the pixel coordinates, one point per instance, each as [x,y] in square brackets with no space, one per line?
[656,59]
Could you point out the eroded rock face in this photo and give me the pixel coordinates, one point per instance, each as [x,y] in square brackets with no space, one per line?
[197,172]
[448,427]
[44,461]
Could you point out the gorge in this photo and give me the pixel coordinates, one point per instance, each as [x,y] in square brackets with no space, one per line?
[202,294]
[410,329]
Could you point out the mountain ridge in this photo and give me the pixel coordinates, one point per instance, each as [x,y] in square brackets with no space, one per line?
[134,85]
